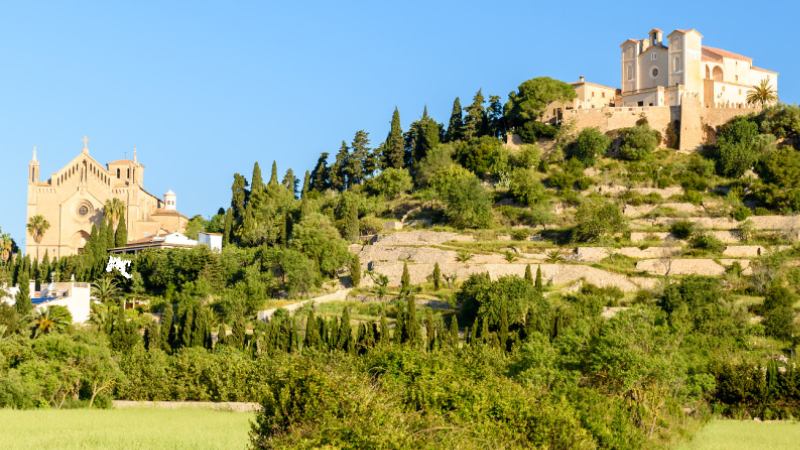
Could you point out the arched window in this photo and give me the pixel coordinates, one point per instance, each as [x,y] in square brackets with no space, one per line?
[118,172]
[717,73]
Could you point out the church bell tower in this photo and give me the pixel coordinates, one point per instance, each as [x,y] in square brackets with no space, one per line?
[33,168]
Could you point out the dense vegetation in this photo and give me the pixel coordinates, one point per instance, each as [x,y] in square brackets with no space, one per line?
[509,362]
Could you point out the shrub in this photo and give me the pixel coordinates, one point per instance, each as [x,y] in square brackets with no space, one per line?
[682,229]
[525,187]
[520,234]
[597,218]
[527,156]
[484,156]
[706,242]
[390,183]
[589,144]
[736,152]
[467,204]
[636,143]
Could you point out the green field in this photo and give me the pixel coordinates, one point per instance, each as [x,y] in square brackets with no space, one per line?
[745,435]
[123,429]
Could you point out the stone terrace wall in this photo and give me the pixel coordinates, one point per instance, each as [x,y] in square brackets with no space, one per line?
[606,119]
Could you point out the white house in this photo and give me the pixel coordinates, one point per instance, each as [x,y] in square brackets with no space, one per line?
[76,297]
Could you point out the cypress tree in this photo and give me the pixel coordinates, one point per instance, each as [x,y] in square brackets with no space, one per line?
[355,271]
[256,180]
[430,331]
[167,329]
[455,127]
[453,331]
[273,175]
[238,333]
[121,235]
[187,326]
[320,176]
[503,331]
[400,335]
[227,227]
[437,276]
[538,284]
[338,171]
[344,341]
[485,329]
[357,162]
[312,331]
[109,232]
[22,301]
[412,323]
[238,197]
[290,182]
[394,148]
[473,336]
[384,329]
[306,184]
[405,279]
[152,336]
[528,274]
[351,223]
[222,334]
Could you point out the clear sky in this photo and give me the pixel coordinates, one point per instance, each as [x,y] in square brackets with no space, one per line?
[203,89]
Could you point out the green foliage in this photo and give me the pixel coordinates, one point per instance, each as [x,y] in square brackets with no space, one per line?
[317,238]
[636,143]
[589,144]
[525,187]
[390,183]
[735,147]
[779,312]
[682,229]
[355,271]
[706,242]
[467,204]
[528,103]
[393,151]
[597,219]
[22,301]
[780,172]
[483,156]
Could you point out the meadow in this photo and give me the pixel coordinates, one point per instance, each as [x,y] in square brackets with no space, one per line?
[144,428]
[745,435]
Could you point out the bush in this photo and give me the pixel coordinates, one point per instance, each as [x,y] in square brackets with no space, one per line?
[780,173]
[736,152]
[636,143]
[484,156]
[706,242]
[390,183]
[682,229]
[527,156]
[467,204]
[525,187]
[596,219]
[589,144]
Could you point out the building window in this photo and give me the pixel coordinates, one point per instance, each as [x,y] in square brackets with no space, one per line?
[117,173]
[603,94]
[129,173]
[653,56]
[592,93]
[676,64]
[654,72]
[629,69]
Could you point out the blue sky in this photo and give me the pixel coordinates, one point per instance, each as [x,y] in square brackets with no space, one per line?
[203,89]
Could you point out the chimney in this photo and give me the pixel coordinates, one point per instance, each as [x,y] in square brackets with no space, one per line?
[581,79]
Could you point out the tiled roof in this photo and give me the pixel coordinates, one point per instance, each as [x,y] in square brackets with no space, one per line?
[716,54]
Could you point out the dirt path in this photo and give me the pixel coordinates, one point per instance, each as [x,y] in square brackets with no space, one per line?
[341,294]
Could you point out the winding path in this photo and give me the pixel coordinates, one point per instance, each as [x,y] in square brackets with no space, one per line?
[341,294]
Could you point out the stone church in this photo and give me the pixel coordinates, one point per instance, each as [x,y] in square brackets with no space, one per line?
[72,200]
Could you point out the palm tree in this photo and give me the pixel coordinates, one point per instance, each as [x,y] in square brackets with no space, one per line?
[113,210]
[51,319]
[6,247]
[37,227]
[105,290]
[762,94]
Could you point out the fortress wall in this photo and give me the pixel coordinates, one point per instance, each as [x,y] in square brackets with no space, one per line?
[607,119]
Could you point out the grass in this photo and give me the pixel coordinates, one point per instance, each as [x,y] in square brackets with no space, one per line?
[123,429]
[745,434]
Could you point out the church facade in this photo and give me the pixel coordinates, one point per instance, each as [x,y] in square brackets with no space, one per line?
[655,73]
[72,200]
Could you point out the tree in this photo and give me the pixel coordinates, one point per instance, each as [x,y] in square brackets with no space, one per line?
[320,176]
[113,210]
[528,275]
[436,276]
[53,319]
[589,144]
[290,182]
[467,204]
[495,118]
[736,150]
[238,197]
[318,239]
[22,302]
[338,171]
[390,183]
[636,143]
[532,97]
[596,219]
[455,126]
[355,271]
[394,147]
[779,312]
[423,135]
[484,156]
[306,184]
[121,235]
[37,226]
[538,283]
[105,290]
[475,124]
[762,93]
[273,174]
[405,279]
[312,338]
[525,187]
[360,165]
[167,328]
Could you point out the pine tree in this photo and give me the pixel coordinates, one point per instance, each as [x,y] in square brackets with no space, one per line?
[355,271]
[290,182]
[356,164]
[423,135]
[320,176]
[528,274]
[338,171]
[22,302]
[495,117]
[455,127]
[538,284]
[475,119]
[437,276]
[405,279]
[394,147]
[121,235]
